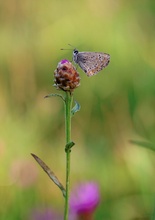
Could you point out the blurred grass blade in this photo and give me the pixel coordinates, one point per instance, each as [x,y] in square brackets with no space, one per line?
[145,144]
[50,174]
[76,108]
[54,95]
[153,214]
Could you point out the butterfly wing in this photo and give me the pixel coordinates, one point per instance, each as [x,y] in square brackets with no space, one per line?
[92,62]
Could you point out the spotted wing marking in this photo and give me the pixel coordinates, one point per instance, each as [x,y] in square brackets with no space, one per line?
[92,62]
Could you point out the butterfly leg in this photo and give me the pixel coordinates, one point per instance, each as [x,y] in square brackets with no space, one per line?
[76,65]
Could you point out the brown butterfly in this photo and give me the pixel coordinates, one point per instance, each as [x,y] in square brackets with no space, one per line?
[91,62]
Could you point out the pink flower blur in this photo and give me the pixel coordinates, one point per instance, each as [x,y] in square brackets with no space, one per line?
[23,173]
[45,214]
[84,198]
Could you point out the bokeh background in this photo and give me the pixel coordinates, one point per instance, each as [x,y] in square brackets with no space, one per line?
[117,105]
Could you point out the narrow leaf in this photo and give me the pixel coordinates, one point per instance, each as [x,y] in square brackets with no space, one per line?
[76,108]
[153,214]
[145,144]
[69,146]
[50,174]
[54,95]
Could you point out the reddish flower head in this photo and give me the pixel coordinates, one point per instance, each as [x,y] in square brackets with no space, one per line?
[66,76]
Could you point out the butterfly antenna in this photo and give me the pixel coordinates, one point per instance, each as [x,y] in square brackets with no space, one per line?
[71,45]
[68,49]
[65,49]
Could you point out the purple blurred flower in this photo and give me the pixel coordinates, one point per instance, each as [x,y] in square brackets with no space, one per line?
[45,214]
[84,199]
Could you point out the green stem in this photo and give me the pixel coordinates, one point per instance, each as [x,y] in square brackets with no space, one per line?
[68,105]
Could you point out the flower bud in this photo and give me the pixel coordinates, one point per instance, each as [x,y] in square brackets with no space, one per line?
[66,77]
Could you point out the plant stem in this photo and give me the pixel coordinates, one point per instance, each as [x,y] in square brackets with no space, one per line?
[68,105]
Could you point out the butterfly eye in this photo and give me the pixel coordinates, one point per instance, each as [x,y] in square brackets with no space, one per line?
[76,51]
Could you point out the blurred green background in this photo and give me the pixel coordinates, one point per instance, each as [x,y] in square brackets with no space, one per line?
[117,105]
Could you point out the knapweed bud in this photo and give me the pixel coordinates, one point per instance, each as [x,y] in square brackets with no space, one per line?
[66,77]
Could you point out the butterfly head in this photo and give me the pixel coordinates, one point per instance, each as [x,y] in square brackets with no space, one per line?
[75,53]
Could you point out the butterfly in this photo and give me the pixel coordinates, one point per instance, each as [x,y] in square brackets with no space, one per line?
[91,62]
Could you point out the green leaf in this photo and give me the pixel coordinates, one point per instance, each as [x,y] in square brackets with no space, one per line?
[54,95]
[145,144]
[69,146]
[76,108]
[50,174]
